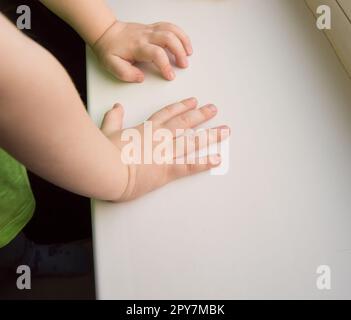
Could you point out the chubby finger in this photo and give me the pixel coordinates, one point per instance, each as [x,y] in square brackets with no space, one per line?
[191,119]
[201,164]
[123,69]
[167,39]
[173,110]
[183,37]
[113,120]
[196,141]
[157,55]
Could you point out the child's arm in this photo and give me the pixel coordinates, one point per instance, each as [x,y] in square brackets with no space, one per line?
[90,18]
[118,44]
[43,124]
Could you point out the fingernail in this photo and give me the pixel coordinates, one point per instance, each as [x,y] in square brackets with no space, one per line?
[171,75]
[140,78]
[225,131]
[184,63]
[213,108]
[190,50]
[215,159]
[116,106]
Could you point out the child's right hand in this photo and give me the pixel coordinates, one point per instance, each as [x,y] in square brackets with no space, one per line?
[123,44]
[185,115]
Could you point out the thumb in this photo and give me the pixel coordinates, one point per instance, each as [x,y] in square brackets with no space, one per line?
[124,70]
[113,120]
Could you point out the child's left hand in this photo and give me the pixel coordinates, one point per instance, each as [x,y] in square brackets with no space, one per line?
[123,44]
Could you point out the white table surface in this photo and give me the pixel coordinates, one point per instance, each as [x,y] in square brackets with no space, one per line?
[284,207]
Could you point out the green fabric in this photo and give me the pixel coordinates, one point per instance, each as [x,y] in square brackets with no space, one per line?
[16,198]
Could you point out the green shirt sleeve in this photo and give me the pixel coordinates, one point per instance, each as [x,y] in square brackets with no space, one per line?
[17,202]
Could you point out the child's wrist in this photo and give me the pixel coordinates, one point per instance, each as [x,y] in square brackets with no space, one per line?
[92,38]
[115,24]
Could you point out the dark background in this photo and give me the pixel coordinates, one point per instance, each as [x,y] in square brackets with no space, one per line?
[60,216]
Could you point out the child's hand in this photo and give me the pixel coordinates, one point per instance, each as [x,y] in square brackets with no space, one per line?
[123,44]
[144,178]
